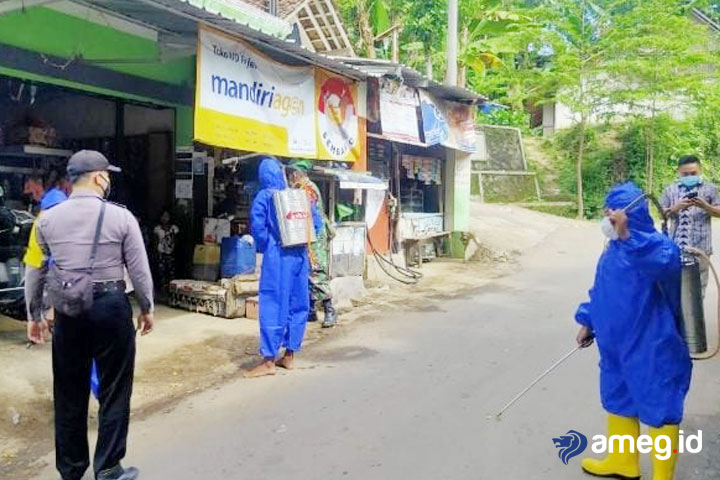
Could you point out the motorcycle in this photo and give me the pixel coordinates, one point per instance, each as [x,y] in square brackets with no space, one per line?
[15,226]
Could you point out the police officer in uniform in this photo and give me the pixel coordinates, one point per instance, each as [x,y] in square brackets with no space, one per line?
[105,332]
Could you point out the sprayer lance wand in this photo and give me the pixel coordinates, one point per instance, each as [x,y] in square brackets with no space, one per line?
[547,372]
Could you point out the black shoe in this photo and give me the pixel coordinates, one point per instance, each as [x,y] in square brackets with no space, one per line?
[330,314]
[119,473]
[312,316]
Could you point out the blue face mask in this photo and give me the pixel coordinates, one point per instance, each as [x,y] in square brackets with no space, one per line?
[690,181]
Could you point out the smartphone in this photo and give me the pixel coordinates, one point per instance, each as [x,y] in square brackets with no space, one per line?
[691,195]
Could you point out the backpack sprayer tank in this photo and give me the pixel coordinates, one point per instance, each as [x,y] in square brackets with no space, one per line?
[294,217]
[692,316]
[693,313]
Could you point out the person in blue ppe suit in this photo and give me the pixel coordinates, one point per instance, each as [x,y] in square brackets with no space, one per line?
[52,197]
[34,256]
[645,365]
[284,302]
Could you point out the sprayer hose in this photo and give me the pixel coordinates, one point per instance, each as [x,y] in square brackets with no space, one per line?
[408,276]
[704,257]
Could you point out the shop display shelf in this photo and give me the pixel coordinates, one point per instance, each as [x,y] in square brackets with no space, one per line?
[33,151]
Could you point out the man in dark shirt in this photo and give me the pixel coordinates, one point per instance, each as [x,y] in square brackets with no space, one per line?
[105,332]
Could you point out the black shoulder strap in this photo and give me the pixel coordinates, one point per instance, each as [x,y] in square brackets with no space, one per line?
[98,229]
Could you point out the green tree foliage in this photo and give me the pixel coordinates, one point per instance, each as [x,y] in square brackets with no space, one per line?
[647,65]
[366,19]
[617,152]
[658,63]
[423,35]
[711,8]
[601,147]
[518,80]
[486,28]
[507,117]
[577,32]
[490,33]
[625,59]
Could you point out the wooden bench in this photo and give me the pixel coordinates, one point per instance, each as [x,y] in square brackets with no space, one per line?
[413,246]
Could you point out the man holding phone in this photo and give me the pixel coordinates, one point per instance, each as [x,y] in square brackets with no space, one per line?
[691,202]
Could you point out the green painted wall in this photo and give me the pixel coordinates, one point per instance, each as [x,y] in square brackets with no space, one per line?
[184,126]
[47,31]
[54,33]
[457,191]
[457,199]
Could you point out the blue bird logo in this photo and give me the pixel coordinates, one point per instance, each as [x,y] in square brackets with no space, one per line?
[571,445]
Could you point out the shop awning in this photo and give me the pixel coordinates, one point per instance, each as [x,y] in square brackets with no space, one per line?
[176,22]
[349,179]
[377,68]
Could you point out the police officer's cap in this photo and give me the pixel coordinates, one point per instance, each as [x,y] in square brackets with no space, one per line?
[86,161]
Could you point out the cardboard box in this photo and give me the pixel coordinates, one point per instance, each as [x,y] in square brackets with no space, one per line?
[215,229]
[252,308]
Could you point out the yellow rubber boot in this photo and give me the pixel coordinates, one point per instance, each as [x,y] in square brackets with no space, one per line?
[617,465]
[665,469]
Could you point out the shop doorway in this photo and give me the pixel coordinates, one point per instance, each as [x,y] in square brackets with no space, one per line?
[41,125]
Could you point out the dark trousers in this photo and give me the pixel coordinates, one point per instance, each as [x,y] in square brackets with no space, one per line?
[166,270]
[105,333]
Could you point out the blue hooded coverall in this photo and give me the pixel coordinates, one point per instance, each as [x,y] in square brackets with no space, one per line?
[34,256]
[645,365]
[52,197]
[284,303]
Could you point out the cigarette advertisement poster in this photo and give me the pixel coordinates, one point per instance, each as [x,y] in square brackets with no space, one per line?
[450,124]
[340,118]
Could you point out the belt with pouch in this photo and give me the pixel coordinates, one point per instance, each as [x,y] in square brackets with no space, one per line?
[111,286]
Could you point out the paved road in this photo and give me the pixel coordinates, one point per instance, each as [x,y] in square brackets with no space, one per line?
[406,396]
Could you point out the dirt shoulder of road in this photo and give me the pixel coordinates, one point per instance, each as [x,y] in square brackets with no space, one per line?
[191,352]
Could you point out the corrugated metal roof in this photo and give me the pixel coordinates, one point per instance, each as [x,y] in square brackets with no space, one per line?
[323,29]
[181,18]
[350,179]
[411,78]
[285,8]
[246,13]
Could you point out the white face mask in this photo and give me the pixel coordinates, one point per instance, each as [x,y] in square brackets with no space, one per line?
[608,229]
